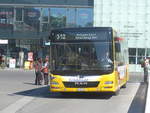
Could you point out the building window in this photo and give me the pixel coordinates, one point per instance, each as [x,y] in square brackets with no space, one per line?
[6,21]
[19,14]
[132,51]
[136,54]
[58,17]
[139,59]
[32,20]
[71,17]
[148,52]
[45,20]
[91,2]
[141,52]
[27,21]
[84,17]
[45,15]
[132,60]
[132,55]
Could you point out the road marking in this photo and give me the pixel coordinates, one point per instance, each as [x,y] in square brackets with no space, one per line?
[13,108]
[147,109]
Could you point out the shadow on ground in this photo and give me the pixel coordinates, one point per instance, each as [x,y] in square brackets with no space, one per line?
[43,92]
[29,83]
[139,101]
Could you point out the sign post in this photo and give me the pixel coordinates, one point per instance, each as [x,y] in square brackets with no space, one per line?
[12,63]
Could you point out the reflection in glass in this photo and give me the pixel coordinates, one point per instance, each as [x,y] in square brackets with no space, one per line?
[6,21]
[58,17]
[83,56]
[132,51]
[19,14]
[132,60]
[45,15]
[29,22]
[141,52]
[139,60]
[148,52]
[84,17]
[71,17]
[32,19]
[45,22]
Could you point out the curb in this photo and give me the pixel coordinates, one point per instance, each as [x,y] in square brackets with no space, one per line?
[147,108]
[15,69]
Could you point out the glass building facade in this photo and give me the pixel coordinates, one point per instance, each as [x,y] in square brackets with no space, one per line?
[37,22]
[26,23]
[131,18]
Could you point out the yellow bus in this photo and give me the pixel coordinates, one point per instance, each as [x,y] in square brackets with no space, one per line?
[88,60]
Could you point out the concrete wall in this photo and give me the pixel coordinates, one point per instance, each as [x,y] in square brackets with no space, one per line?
[131,18]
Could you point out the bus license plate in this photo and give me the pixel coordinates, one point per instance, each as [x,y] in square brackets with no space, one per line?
[81,89]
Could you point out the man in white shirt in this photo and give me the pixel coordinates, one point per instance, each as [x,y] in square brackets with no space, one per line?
[146,67]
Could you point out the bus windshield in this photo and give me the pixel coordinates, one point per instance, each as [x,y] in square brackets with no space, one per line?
[82,57]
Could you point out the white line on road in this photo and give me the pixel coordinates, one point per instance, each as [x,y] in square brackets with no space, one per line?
[13,108]
[147,109]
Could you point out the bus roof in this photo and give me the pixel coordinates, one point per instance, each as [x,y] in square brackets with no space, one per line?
[84,29]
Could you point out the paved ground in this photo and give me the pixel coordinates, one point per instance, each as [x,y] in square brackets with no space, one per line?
[18,94]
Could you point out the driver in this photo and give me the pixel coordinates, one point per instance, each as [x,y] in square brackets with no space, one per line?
[106,58]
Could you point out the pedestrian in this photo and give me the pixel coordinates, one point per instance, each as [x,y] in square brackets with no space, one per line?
[45,71]
[38,72]
[146,68]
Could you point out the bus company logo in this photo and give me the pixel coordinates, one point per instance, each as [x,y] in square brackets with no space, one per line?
[78,78]
[80,83]
[81,78]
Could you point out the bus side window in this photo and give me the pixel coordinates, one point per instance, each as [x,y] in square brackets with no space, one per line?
[119,54]
[117,47]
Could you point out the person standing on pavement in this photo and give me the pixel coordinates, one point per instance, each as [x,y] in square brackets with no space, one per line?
[45,71]
[38,72]
[146,68]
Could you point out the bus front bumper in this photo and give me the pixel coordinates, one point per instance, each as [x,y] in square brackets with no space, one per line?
[108,88]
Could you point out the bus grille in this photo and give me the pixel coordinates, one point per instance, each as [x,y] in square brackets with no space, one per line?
[80,84]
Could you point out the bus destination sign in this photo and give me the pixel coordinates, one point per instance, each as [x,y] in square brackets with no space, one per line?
[68,36]
[78,36]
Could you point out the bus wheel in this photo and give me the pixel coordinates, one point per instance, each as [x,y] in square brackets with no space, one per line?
[64,93]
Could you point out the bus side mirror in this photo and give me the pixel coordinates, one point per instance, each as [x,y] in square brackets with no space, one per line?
[117,47]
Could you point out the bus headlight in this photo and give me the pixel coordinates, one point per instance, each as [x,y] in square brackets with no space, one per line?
[52,77]
[109,82]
